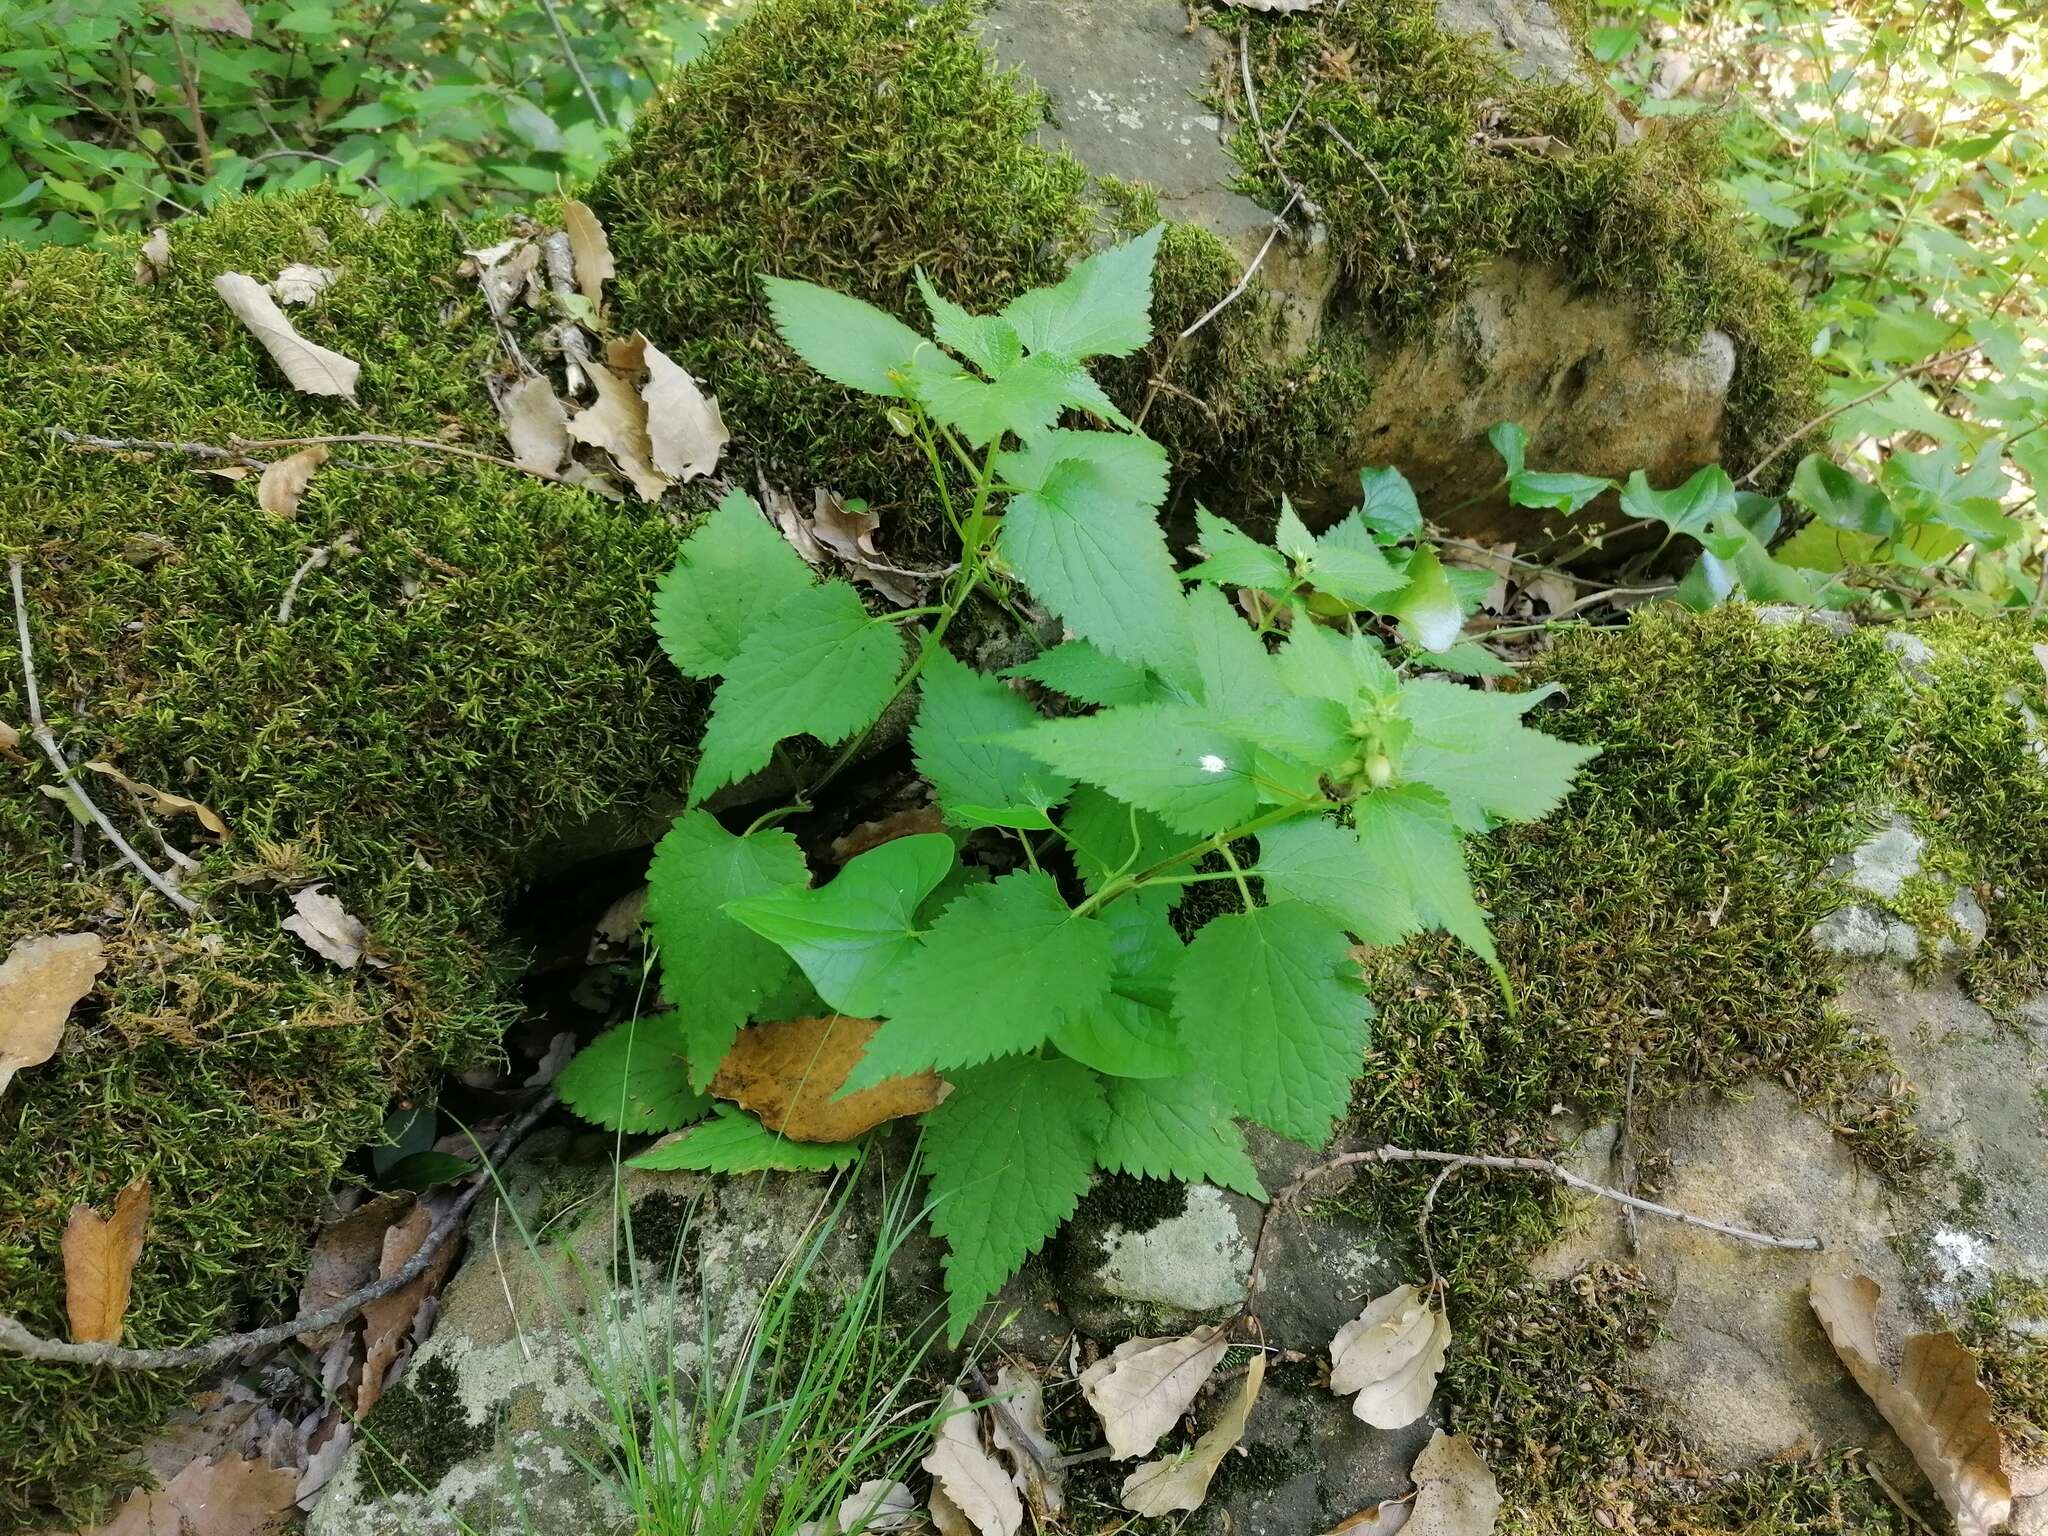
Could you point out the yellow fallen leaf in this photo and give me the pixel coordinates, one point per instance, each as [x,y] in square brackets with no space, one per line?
[593,252]
[1182,1482]
[307,367]
[1936,1404]
[163,802]
[1390,1355]
[40,981]
[1141,1390]
[787,1072]
[284,483]
[99,1262]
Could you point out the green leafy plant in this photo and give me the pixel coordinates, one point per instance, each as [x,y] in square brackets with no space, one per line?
[1280,747]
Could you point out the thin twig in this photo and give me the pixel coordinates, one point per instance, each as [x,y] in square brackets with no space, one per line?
[1251,102]
[1244,282]
[40,731]
[1393,207]
[604,118]
[1048,1470]
[240,449]
[1828,415]
[142,445]
[18,1340]
[1629,1215]
[317,560]
[1422,1226]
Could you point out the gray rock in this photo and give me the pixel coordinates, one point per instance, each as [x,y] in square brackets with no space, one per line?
[1967,913]
[1882,864]
[1915,655]
[1785,615]
[1863,933]
[1529,34]
[1195,1263]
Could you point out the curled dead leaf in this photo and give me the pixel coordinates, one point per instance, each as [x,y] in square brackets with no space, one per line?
[99,1264]
[1936,1404]
[40,982]
[536,424]
[386,1322]
[154,259]
[968,1476]
[10,743]
[1381,1519]
[616,421]
[1018,1432]
[234,1496]
[1141,1389]
[787,1072]
[284,483]
[345,1258]
[592,251]
[879,1505]
[163,802]
[1390,1355]
[300,283]
[1181,1482]
[683,425]
[307,367]
[328,928]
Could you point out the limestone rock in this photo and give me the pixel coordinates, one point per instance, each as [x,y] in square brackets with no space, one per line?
[1865,933]
[1882,864]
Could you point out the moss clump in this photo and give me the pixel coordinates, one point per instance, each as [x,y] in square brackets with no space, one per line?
[440,707]
[1470,164]
[420,1429]
[847,145]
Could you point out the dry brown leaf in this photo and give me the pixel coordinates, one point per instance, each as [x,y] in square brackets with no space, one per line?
[154,259]
[536,425]
[883,1505]
[948,1519]
[970,1477]
[230,1497]
[787,1072]
[1381,1519]
[683,425]
[792,524]
[593,252]
[1455,1494]
[1034,1459]
[163,802]
[1182,1482]
[309,368]
[345,1258]
[302,284]
[1936,1404]
[617,422]
[211,15]
[386,1322]
[1390,1355]
[1141,1390]
[40,981]
[10,742]
[99,1262]
[284,483]
[327,927]
[859,839]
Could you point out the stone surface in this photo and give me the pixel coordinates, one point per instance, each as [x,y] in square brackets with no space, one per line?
[1864,933]
[1882,864]
[1130,84]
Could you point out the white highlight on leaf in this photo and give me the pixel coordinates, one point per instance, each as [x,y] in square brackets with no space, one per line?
[1211,763]
[1390,1355]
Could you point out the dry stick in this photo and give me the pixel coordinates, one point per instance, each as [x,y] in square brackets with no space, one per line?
[20,1341]
[604,118]
[317,560]
[238,449]
[1393,207]
[142,445]
[1832,412]
[1244,282]
[1251,102]
[40,731]
[1293,1191]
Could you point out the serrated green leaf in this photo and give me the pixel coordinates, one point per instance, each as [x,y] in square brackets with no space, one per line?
[959,718]
[1317,862]
[990,342]
[1343,668]
[1108,838]
[1026,399]
[1100,309]
[848,341]
[1164,758]
[1468,658]
[731,578]
[1133,1034]
[1233,558]
[1098,561]
[1353,572]
[732,1142]
[996,971]
[1412,840]
[1473,748]
[849,934]
[825,668]
[1234,672]
[1131,466]
[714,972]
[1268,1002]
[1427,606]
[635,1078]
[1175,1128]
[1086,672]
[1010,1152]
[1389,512]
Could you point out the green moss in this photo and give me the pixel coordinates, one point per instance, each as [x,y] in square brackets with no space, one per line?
[2008,1327]
[420,1429]
[1635,215]
[441,706]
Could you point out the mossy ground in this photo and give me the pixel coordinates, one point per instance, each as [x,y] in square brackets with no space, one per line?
[475,682]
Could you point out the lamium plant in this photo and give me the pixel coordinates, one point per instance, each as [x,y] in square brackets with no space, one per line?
[1260,721]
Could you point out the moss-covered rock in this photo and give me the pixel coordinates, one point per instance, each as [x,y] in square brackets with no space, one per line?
[472,683]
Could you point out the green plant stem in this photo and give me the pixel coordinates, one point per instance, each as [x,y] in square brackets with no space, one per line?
[1124,884]
[1244,888]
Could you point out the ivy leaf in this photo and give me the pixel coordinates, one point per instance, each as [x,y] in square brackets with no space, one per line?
[1692,508]
[1473,748]
[1556,490]
[1389,512]
[731,578]
[959,717]
[1164,758]
[1412,840]
[849,342]
[1932,487]
[1100,309]
[732,1142]
[1088,673]
[1842,499]
[1010,1154]
[1315,861]
[714,971]
[1233,558]
[989,342]
[851,933]
[1175,1128]
[824,668]
[1428,607]
[998,969]
[1511,443]
[634,1078]
[1264,1001]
